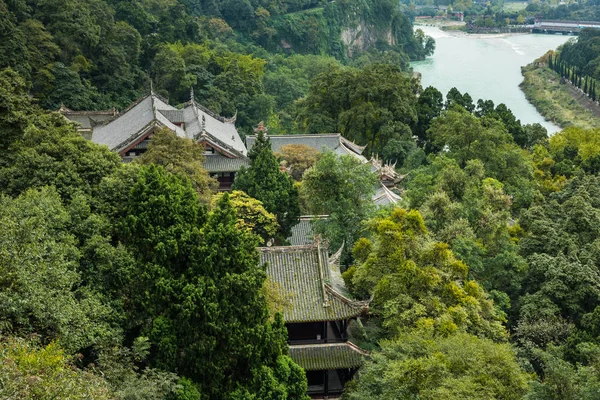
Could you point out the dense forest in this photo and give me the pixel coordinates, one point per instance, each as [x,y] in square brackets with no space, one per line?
[103,53]
[138,281]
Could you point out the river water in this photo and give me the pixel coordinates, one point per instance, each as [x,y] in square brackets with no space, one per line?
[487,67]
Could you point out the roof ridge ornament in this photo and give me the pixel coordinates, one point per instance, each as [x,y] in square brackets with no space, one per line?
[335,258]
[233,119]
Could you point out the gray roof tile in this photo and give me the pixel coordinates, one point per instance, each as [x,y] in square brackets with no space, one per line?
[302,232]
[384,196]
[329,141]
[133,122]
[220,163]
[221,129]
[175,116]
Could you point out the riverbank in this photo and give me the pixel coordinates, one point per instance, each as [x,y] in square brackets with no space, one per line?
[486,67]
[446,24]
[558,102]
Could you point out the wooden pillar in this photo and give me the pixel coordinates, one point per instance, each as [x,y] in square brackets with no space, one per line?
[344,328]
[325,331]
[326,383]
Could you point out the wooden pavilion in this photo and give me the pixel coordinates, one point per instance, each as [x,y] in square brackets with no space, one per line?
[318,315]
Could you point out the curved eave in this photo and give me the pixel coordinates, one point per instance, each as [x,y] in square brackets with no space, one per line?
[323,357]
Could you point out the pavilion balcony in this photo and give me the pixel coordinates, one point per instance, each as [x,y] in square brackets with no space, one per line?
[317,341]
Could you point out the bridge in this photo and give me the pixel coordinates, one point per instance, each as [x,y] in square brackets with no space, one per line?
[562,27]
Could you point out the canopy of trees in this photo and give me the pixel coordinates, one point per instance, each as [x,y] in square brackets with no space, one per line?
[126,266]
[138,282]
[265,181]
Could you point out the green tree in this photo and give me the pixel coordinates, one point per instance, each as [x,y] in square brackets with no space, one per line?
[265,181]
[420,366]
[180,156]
[486,139]
[417,282]
[198,295]
[429,106]
[51,152]
[41,287]
[298,158]
[15,109]
[12,43]
[454,96]
[29,371]
[252,215]
[340,187]
[369,106]
[559,303]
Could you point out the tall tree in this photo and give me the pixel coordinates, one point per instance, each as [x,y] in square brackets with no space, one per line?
[419,365]
[265,181]
[40,289]
[341,187]
[199,295]
[429,106]
[16,110]
[369,106]
[252,215]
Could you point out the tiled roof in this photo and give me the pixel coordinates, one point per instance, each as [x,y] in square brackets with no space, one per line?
[320,357]
[303,273]
[302,232]
[220,163]
[221,129]
[134,122]
[175,116]
[384,196]
[88,119]
[329,141]
[152,111]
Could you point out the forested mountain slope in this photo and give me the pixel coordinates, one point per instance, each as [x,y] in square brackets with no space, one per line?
[101,54]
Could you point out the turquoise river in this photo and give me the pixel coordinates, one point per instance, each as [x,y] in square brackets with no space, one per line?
[487,67]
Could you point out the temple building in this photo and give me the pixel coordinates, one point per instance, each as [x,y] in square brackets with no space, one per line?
[336,143]
[129,132]
[330,141]
[317,316]
[302,232]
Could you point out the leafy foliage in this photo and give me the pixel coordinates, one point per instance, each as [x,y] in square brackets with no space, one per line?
[179,156]
[370,106]
[417,282]
[419,366]
[340,187]
[41,289]
[265,181]
[28,372]
[252,216]
[298,158]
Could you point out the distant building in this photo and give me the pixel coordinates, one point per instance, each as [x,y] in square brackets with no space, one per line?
[336,143]
[562,26]
[88,120]
[129,132]
[317,316]
[329,141]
